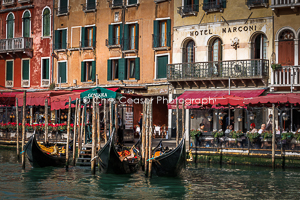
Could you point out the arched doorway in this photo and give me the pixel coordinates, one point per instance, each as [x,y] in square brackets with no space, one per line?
[259,47]
[215,55]
[188,55]
[286,48]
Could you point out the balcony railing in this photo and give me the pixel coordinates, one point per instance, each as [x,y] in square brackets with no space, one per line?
[284,3]
[257,3]
[61,46]
[188,9]
[130,43]
[8,2]
[24,1]
[87,43]
[116,41]
[161,41]
[215,5]
[86,7]
[286,76]
[15,44]
[62,10]
[115,3]
[256,68]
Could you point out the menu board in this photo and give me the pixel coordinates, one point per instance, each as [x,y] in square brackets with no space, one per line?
[128,120]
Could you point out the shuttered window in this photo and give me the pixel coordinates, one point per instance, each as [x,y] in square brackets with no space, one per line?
[88,71]
[88,36]
[26,24]
[25,70]
[131,36]
[62,72]
[61,39]
[132,2]
[123,69]
[45,69]
[9,70]
[161,33]
[161,66]
[63,6]
[46,22]
[91,5]
[10,26]
[115,34]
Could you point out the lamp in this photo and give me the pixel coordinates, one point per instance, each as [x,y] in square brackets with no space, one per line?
[251,116]
[28,115]
[221,116]
[192,116]
[285,117]
[209,118]
[240,118]
[12,115]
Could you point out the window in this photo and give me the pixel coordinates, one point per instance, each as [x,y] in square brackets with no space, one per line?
[260,47]
[25,69]
[88,36]
[215,54]
[9,70]
[45,69]
[114,34]
[46,22]
[10,26]
[190,6]
[131,33]
[61,39]
[90,4]
[216,50]
[131,2]
[189,52]
[162,33]
[63,7]
[286,48]
[161,66]
[213,5]
[26,24]
[62,72]
[88,71]
[123,69]
[117,3]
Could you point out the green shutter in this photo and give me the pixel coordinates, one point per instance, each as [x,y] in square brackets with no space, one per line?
[196,5]
[47,68]
[83,72]
[94,71]
[57,39]
[130,2]
[64,39]
[9,70]
[63,6]
[137,36]
[25,72]
[62,72]
[10,29]
[26,27]
[224,3]
[110,34]
[121,33]
[155,33]
[126,37]
[122,68]
[169,33]
[91,4]
[46,22]
[94,36]
[137,68]
[109,75]
[162,62]
[82,36]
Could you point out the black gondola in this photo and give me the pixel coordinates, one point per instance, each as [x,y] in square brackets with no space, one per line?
[109,160]
[169,163]
[38,158]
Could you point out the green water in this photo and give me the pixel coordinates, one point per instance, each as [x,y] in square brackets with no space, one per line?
[197,181]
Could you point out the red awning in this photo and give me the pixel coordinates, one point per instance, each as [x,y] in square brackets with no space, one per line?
[195,99]
[59,102]
[8,98]
[38,98]
[290,98]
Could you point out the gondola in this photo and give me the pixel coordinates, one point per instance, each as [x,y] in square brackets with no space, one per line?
[169,163]
[38,158]
[109,160]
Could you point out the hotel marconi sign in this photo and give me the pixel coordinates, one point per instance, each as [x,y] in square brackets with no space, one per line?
[233,29]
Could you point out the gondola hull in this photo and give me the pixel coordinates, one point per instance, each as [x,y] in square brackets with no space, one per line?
[109,160]
[170,163]
[38,158]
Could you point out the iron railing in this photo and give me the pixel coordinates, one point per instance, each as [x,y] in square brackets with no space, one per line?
[89,6]
[8,2]
[24,1]
[214,5]
[283,3]
[252,3]
[182,10]
[87,43]
[116,3]
[15,44]
[62,10]
[130,43]
[161,41]
[113,41]
[58,46]
[223,69]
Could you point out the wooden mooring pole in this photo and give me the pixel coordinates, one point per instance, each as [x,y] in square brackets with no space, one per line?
[23,130]
[68,135]
[74,136]
[143,134]
[116,122]
[17,121]
[182,120]
[177,122]
[93,138]
[80,127]
[46,121]
[98,126]
[273,136]
[110,118]
[147,138]
[150,139]
[104,121]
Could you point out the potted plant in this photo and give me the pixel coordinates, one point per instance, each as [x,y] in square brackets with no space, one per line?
[267,135]
[218,134]
[276,66]
[252,136]
[287,136]
[194,132]
[236,134]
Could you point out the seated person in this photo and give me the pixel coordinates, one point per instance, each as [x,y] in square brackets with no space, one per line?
[122,158]
[252,128]
[262,129]
[229,129]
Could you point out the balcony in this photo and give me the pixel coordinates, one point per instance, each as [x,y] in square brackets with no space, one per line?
[285,78]
[89,7]
[214,6]
[161,42]
[242,73]
[24,1]
[130,44]
[257,3]
[8,2]
[15,45]
[278,4]
[113,42]
[61,11]
[188,10]
[61,46]
[87,44]
[115,4]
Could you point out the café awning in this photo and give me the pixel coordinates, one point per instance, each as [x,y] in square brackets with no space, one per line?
[196,99]
[100,93]
[58,102]
[8,98]
[268,100]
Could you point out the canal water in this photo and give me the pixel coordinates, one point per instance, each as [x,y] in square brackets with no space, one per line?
[197,181]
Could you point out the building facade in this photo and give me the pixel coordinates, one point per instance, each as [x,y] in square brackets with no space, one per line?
[26,44]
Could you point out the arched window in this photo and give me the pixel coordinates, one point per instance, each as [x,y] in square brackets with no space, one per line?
[26,24]
[286,48]
[189,52]
[215,54]
[259,50]
[46,22]
[216,50]
[10,26]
